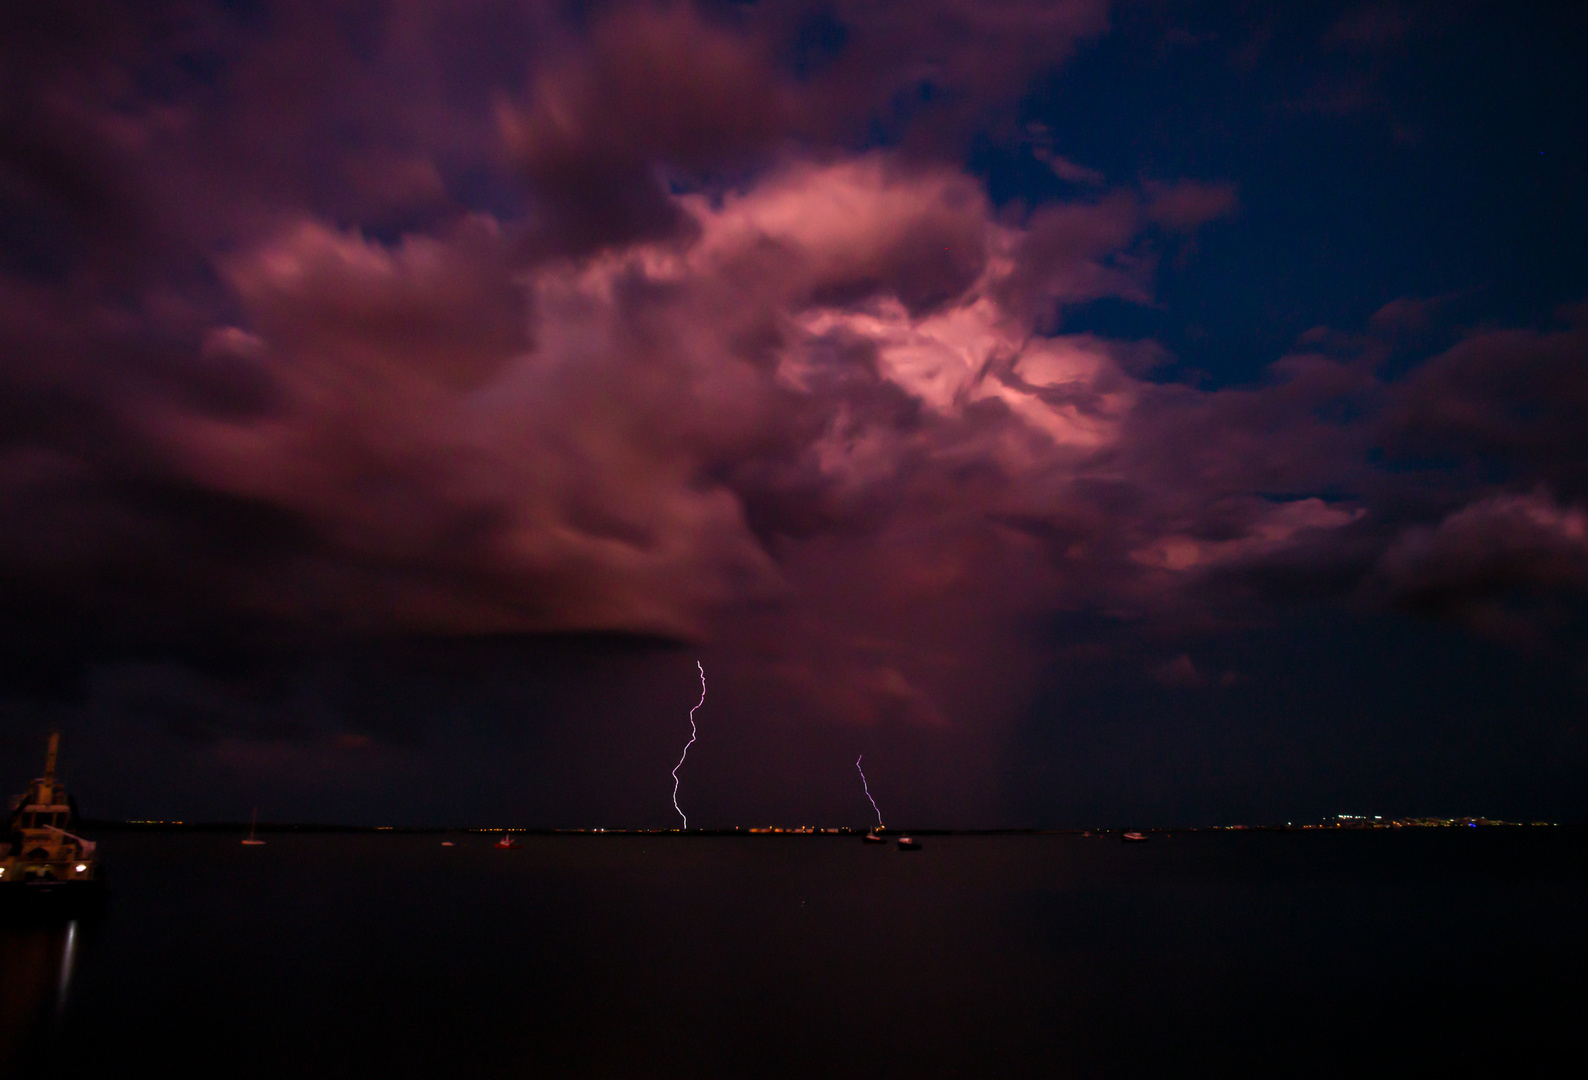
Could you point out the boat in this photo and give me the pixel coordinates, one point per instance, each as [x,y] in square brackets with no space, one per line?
[251,840]
[446,843]
[909,843]
[872,838]
[507,842]
[1133,837]
[41,861]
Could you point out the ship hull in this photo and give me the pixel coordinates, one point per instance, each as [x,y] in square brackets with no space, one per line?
[65,896]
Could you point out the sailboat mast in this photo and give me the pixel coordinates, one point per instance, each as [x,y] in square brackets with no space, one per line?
[49,758]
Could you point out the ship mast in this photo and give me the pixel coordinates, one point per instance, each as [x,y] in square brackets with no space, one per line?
[49,758]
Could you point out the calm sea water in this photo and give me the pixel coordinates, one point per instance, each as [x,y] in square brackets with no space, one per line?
[389,955]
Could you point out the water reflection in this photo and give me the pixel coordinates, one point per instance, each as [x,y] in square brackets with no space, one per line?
[36,962]
[68,954]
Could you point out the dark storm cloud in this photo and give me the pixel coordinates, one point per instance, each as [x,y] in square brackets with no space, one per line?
[663,91]
[654,88]
[1496,422]
[1369,27]
[1504,399]
[1487,551]
[321,327]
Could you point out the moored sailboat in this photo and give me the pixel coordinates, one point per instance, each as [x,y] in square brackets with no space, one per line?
[251,840]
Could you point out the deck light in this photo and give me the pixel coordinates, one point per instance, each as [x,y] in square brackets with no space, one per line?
[81,867]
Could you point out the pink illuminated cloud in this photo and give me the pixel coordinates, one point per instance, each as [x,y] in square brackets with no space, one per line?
[491,324]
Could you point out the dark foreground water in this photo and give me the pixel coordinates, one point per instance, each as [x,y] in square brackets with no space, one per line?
[1380,953]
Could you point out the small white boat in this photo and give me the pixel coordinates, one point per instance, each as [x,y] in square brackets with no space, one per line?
[507,842]
[909,843]
[251,840]
[872,838]
[1133,837]
[446,843]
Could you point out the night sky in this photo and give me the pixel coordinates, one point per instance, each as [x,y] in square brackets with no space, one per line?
[1137,413]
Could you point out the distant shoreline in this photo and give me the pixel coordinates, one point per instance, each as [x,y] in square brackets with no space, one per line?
[91,825]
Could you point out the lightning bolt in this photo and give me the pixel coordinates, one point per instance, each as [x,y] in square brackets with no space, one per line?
[687,745]
[868,790]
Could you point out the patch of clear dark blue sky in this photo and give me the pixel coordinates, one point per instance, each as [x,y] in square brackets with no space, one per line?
[1448,163]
